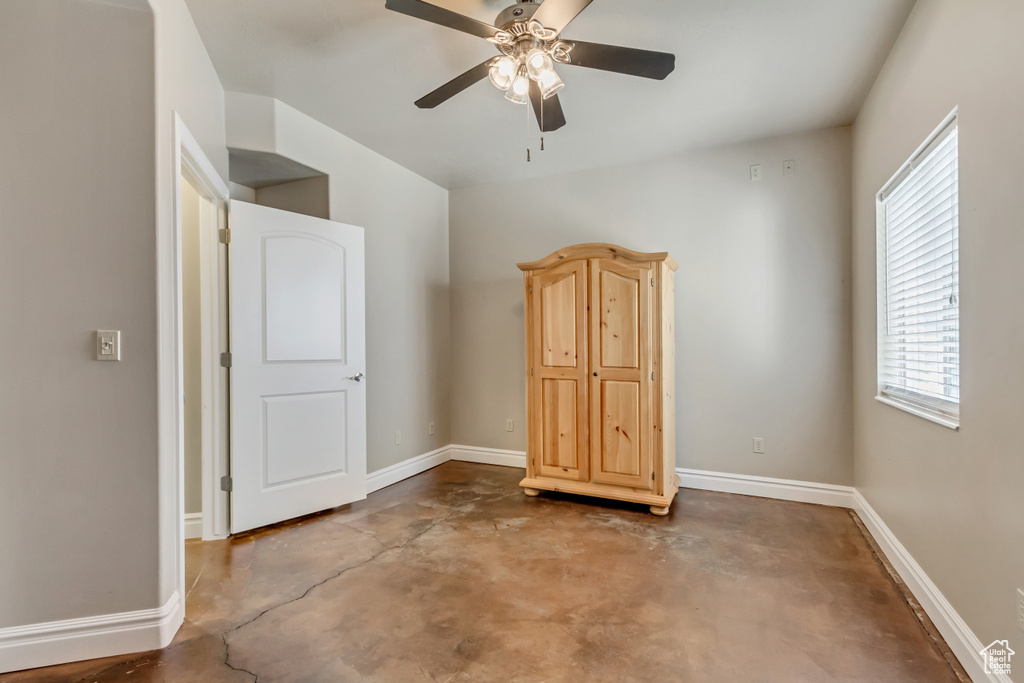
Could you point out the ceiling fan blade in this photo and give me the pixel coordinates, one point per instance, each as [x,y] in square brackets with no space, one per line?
[456,85]
[442,16]
[623,60]
[552,118]
[556,14]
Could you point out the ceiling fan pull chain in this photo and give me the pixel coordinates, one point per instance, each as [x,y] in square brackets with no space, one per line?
[541,124]
[527,107]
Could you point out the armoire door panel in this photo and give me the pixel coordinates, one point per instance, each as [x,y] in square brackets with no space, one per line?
[558,322]
[561,424]
[620,340]
[620,319]
[620,428]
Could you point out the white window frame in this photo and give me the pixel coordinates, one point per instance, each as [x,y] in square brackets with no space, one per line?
[943,412]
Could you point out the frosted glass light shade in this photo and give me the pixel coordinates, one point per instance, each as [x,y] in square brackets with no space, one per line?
[538,63]
[507,66]
[511,96]
[550,84]
[518,95]
[520,85]
[500,80]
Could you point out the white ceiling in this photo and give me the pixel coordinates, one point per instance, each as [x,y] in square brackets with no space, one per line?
[745,69]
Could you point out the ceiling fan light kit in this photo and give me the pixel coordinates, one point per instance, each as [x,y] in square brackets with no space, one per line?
[527,35]
[528,53]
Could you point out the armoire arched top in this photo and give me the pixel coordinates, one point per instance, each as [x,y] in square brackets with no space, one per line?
[599,250]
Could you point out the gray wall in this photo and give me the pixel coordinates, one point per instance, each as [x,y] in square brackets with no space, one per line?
[407,300]
[310,196]
[762,296]
[78,438]
[954,499]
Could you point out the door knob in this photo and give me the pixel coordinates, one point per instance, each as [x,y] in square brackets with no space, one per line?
[357,377]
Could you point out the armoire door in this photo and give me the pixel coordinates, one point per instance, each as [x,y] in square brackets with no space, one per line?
[558,384]
[620,382]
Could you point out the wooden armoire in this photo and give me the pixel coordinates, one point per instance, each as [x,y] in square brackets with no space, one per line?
[600,350]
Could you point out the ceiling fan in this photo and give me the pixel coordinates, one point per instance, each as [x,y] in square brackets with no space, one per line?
[528,38]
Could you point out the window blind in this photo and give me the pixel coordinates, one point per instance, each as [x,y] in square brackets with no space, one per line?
[920,348]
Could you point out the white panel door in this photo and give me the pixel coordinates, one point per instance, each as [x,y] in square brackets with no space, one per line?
[298,413]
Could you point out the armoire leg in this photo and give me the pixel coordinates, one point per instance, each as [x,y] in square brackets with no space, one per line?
[535,492]
[660,511]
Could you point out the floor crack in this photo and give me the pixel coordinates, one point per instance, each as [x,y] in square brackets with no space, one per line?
[365,533]
[227,659]
[384,549]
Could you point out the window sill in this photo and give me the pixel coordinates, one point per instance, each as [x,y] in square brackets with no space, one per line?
[948,422]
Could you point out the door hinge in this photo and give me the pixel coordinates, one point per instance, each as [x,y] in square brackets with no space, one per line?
[227,483]
[652,476]
[224,235]
[652,375]
[531,289]
[531,372]
[652,282]
[225,360]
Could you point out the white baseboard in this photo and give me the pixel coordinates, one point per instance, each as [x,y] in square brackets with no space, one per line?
[958,635]
[768,487]
[72,640]
[193,525]
[488,456]
[375,481]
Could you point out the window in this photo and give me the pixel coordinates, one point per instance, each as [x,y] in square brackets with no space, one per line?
[919,297]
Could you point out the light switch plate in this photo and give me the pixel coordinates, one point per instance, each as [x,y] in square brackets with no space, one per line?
[108,344]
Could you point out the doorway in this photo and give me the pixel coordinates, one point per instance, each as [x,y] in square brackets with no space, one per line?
[204,337]
[201,337]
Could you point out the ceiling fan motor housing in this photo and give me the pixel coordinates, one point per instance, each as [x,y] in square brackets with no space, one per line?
[520,12]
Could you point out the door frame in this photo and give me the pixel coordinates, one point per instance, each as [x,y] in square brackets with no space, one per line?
[189,160]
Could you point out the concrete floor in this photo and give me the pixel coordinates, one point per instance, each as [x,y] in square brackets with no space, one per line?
[455,575]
